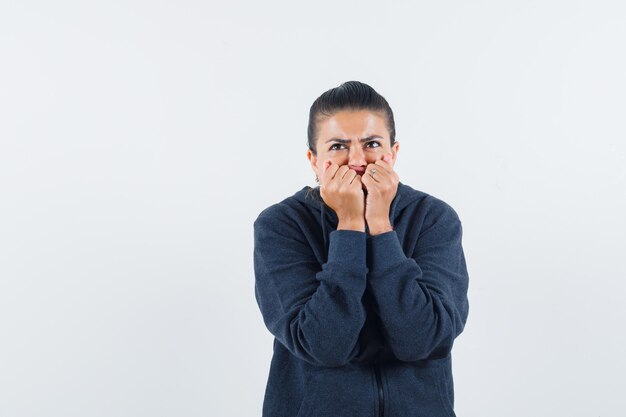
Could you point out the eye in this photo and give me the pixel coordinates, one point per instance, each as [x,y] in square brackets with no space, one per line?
[332,148]
[373,142]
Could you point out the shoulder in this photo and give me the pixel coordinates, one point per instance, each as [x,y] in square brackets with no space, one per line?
[288,211]
[430,207]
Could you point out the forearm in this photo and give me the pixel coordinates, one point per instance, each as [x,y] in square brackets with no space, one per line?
[421,312]
[316,314]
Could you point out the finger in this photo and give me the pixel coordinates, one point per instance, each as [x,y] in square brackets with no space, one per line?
[368,180]
[384,172]
[386,166]
[341,172]
[325,166]
[378,172]
[349,175]
[330,172]
[362,181]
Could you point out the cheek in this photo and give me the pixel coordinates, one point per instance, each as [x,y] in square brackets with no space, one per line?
[337,159]
[374,154]
[373,157]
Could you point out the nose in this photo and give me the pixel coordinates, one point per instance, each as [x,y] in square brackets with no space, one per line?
[357,157]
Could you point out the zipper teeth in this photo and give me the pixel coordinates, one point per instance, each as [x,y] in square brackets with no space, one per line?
[379,384]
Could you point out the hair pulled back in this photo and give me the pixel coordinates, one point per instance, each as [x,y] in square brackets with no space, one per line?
[351,95]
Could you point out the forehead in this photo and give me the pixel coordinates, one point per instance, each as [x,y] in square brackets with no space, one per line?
[352,124]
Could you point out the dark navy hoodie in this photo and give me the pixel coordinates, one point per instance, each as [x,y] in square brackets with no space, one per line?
[363,325]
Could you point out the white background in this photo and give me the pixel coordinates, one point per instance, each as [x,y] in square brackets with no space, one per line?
[140,140]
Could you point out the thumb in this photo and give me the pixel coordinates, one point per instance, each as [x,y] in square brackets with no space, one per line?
[324,168]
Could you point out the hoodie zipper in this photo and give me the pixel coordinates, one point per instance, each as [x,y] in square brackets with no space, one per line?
[379,385]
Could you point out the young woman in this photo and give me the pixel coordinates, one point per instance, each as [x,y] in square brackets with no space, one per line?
[361,280]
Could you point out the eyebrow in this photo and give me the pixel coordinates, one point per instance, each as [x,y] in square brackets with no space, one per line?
[348,140]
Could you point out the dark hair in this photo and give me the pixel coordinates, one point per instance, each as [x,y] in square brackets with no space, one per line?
[351,95]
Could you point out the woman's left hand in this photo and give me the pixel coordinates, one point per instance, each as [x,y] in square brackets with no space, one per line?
[381,190]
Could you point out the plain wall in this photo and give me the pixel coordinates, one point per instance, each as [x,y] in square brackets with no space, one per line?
[139,141]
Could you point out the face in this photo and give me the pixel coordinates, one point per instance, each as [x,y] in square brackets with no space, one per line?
[353,138]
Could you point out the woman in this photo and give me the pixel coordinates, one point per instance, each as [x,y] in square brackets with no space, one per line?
[361,280]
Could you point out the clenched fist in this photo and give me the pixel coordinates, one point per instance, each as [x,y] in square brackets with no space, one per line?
[342,190]
[382,187]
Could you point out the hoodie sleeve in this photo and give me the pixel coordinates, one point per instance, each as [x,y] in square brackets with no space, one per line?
[422,298]
[314,310]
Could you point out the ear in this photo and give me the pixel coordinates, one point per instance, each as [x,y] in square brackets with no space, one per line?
[394,152]
[313,159]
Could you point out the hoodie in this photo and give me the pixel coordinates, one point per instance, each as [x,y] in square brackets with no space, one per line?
[363,325]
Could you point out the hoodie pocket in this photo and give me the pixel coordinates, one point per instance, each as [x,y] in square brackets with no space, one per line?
[338,392]
[418,389]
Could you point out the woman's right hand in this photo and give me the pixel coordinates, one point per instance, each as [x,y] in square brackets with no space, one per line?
[341,190]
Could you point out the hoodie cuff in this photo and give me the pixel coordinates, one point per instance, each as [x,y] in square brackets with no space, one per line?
[347,247]
[384,251]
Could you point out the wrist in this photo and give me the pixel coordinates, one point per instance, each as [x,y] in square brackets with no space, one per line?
[351,224]
[377,228]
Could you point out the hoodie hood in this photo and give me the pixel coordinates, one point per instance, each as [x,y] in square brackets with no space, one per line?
[311,197]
